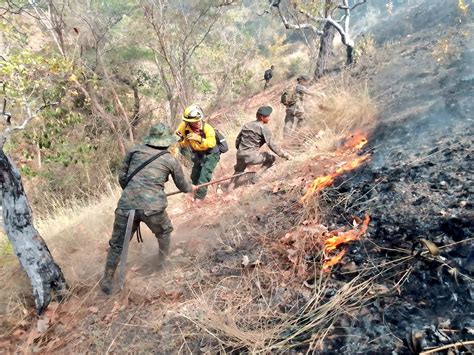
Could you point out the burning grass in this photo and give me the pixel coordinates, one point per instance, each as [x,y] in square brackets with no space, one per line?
[338,237]
[268,308]
[322,182]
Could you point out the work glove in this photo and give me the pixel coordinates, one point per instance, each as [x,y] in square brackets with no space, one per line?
[180,136]
[194,137]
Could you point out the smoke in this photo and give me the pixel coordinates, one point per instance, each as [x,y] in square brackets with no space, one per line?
[423,78]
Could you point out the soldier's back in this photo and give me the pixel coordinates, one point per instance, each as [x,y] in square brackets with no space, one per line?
[146,189]
[251,136]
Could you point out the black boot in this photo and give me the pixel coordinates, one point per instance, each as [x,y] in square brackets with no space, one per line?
[107,282]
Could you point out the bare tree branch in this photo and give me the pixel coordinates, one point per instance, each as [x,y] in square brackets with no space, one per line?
[358,3]
[9,130]
[299,26]
[346,39]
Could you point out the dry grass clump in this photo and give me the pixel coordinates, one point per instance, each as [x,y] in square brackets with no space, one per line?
[256,318]
[242,320]
[345,105]
[340,105]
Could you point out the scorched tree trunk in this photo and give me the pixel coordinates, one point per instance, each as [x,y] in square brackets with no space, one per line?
[45,275]
[325,49]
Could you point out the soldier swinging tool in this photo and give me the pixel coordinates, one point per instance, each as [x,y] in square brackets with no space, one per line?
[143,199]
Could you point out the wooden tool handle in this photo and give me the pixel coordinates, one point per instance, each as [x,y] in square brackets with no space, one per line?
[213,182]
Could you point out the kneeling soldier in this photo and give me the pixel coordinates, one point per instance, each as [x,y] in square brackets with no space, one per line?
[251,138]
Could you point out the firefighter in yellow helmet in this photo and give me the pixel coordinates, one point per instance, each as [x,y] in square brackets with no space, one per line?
[200,137]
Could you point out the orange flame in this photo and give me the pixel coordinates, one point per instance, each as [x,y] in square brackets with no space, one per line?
[352,164]
[357,140]
[333,261]
[318,184]
[354,234]
[334,241]
[324,181]
[362,144]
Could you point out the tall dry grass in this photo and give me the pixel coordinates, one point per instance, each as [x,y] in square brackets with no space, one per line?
[339,106]
[258,313]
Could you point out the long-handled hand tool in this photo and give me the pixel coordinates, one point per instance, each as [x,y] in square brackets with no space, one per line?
[216,181]
[126,242]
[131,217]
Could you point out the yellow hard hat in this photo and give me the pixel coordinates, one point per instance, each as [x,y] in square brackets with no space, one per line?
[193,113]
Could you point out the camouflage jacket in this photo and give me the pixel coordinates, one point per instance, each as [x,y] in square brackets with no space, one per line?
[146,189]
[252,136]
[300,91]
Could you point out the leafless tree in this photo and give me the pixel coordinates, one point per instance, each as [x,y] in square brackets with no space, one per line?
[322,15]
[176,33]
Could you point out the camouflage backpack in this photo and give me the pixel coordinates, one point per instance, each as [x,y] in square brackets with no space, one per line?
[288,98]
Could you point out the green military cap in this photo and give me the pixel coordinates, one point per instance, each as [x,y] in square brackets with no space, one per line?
[304,78]
[265,110]
[160,135]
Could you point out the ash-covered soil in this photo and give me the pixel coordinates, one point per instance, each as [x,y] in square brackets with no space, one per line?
[418,188]
[426,196]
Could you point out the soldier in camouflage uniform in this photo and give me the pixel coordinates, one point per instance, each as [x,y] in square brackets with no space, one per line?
[251,138]
[145,194]
[295,114]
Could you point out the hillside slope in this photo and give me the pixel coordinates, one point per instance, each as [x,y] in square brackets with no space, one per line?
[250,268]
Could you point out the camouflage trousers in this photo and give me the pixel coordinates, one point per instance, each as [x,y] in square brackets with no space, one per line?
[204,165]
[254,158]
[293,120]
[158,222]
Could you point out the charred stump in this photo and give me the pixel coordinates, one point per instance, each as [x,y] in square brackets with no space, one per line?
[45,275]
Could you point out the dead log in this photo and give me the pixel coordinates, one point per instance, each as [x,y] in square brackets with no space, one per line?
[46,277]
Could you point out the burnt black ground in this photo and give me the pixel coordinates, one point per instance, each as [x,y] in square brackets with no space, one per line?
[419,184]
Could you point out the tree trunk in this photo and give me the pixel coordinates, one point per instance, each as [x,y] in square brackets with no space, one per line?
[325,50]
[350,55]
[35,258]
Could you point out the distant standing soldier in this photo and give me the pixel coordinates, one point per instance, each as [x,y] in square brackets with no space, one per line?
[251,138]
[143,180]
[267,76]
[293,99]
[194,133]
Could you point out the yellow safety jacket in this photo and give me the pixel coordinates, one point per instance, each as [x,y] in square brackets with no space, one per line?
[207,133]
